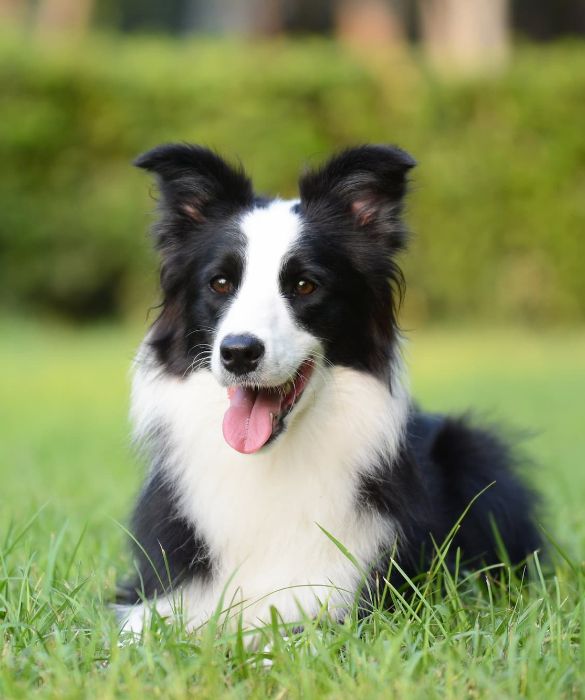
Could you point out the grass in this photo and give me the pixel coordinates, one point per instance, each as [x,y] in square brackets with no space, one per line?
[67,479]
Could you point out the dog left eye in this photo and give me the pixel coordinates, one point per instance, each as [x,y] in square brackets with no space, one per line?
[221,285]
[304,287]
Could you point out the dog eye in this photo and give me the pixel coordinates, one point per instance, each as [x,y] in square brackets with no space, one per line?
[304,287]
[221,285]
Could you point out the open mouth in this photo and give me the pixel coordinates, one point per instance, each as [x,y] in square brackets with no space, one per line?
[255,415]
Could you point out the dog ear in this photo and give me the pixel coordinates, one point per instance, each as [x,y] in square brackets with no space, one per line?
[193,178]
[367,183]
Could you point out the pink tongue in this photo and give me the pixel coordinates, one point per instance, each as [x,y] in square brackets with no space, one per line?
[247,424]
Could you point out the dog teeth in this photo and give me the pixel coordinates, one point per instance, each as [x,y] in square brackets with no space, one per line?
[288,387]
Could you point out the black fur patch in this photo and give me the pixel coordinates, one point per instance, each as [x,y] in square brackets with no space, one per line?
[167,550]
[469,459]
[442,466]
[352,229]
[198,238]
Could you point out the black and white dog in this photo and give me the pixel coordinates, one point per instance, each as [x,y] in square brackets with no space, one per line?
[272,401]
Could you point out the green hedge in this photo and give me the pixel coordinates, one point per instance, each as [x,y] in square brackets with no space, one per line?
[498,203]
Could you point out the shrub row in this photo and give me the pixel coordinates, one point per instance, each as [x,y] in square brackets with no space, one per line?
[498,200]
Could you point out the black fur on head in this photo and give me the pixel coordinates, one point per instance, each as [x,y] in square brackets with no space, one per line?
[352,208]
[368,183]
[200,193]
[194,180]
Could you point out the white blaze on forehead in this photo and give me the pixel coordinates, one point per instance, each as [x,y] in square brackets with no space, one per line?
[270,233]
[259,307]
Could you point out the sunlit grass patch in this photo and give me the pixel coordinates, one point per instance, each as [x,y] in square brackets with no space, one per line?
[67,479]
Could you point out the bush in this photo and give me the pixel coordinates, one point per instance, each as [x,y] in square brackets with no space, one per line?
[498,204]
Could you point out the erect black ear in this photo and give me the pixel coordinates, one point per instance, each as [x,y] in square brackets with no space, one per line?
[368,183]
[190,178]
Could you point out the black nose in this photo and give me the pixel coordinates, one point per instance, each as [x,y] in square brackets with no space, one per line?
[241,353]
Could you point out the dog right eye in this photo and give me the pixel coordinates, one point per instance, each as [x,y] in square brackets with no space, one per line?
[221,285]
[304,287]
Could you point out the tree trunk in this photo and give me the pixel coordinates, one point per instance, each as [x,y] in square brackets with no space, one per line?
[466,36]
[370,22]
[12,12]
[64,16]
[250,17]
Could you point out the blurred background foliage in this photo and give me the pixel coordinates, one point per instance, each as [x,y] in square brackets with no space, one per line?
[498,200]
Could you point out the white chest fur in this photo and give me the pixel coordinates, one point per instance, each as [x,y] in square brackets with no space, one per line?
[262,515]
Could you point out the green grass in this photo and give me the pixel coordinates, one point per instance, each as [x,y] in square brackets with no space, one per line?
[67,479]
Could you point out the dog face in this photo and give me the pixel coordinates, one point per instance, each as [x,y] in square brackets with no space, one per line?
[260,339]
[262,292]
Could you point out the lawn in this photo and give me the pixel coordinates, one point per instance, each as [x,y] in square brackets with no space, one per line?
[68,477]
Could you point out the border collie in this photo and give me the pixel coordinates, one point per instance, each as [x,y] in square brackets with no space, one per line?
[272,402]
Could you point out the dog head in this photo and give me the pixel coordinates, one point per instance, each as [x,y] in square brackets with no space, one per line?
[262,292]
